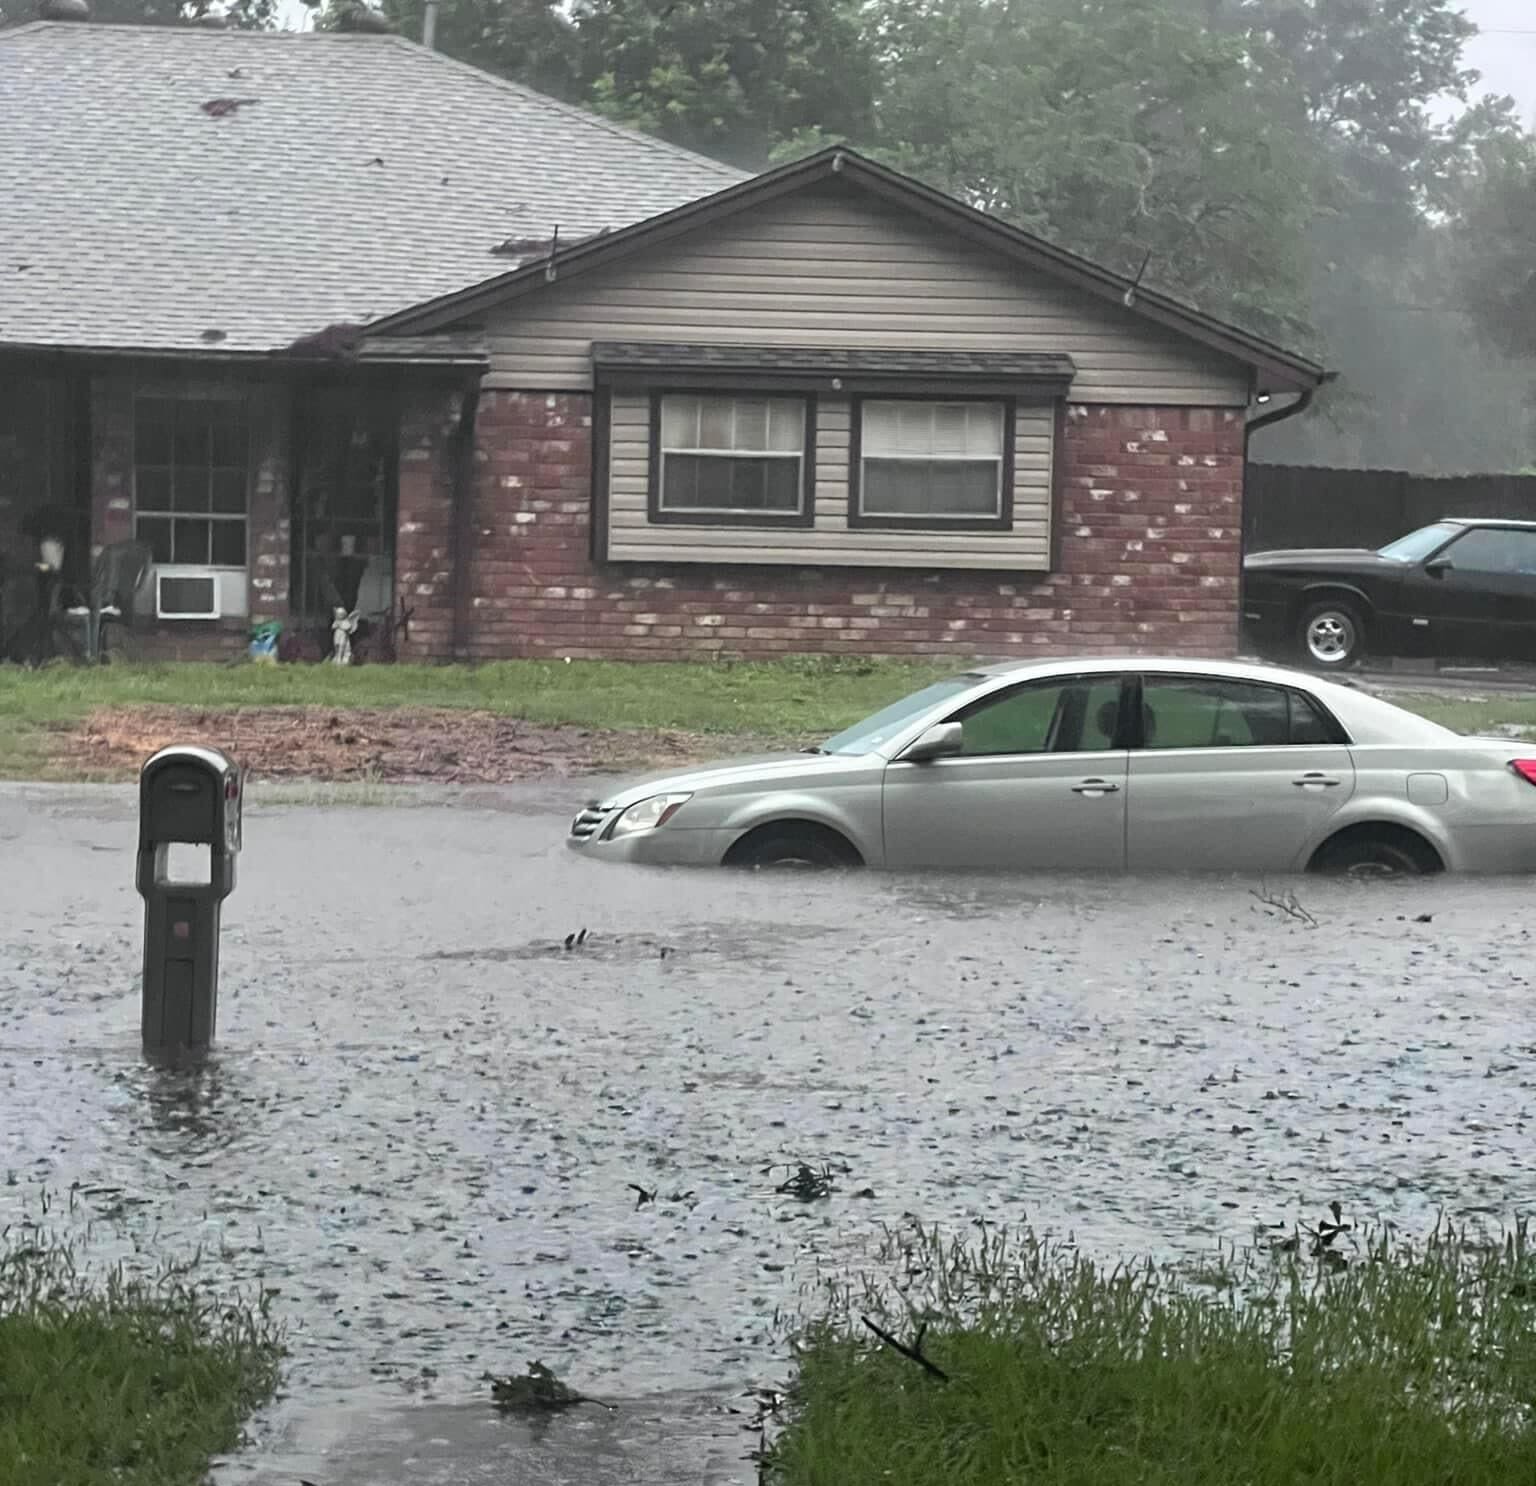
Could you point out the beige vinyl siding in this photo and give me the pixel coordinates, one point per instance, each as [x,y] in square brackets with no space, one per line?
[830,543]
[822,270]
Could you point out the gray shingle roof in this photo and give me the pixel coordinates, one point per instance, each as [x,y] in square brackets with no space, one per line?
[832,360]
[182,188]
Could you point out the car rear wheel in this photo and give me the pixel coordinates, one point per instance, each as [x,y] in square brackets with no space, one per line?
[1331,634]
[792,844]
[1376,851]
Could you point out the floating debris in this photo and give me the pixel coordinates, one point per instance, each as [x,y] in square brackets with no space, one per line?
[537,1389]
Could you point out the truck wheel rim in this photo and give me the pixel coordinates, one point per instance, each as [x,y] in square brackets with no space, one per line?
[1330,637]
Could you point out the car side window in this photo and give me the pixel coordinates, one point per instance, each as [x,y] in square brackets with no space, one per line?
[1492,549]
[1076,715]
[1211,713]
[1309,723]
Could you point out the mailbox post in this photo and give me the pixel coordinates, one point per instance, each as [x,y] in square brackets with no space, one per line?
[187,795]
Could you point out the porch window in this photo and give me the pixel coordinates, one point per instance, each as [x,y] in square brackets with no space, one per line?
[731,458]
[191,463]
[933,463]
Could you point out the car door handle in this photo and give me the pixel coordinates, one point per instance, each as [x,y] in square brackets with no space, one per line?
[1095,787]
[1315,781]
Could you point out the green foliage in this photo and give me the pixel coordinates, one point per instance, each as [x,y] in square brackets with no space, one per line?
[248,15]
[1191,158]
[1496,242]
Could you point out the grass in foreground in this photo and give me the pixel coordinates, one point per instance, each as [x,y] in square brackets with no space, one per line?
[114,1381]
[797,696]
[1404,1368]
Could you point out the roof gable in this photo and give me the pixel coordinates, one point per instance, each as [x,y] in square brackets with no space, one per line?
[1277,368]
[185,189]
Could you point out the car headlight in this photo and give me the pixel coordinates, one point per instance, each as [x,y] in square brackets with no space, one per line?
[648,815]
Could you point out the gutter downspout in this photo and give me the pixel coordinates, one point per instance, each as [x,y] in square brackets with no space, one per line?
[429,24]
[463,497]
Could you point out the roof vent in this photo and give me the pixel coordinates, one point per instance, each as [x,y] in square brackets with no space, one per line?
[64,10]
[364,18]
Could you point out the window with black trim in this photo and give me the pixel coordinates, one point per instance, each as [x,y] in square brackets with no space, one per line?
[1192,713]
[1078,714]
[191,478]
[939,462]
[731,457]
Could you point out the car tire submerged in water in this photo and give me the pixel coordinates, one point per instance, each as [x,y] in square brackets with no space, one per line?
[1376,852]
[1331,634]
[793,844]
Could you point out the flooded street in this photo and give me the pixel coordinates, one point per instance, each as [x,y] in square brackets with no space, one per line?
[426,1119]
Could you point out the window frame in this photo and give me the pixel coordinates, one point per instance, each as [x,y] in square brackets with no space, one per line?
[1128,687]
[1136,713]
[1447,552]
[859,521]
[658,515]
[209,517]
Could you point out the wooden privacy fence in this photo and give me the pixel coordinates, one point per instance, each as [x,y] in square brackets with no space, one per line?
[1291,505]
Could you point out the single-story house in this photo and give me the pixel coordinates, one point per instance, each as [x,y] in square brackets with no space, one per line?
[330,318]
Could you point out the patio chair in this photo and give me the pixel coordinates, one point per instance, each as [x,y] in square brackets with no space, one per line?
[116,573]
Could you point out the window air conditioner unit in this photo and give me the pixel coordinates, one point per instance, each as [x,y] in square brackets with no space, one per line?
[186,595]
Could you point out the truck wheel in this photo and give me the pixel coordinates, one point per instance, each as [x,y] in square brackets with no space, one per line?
[1331,635]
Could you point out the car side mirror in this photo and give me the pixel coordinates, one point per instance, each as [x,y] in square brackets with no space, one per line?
[942,740]
[1438,567]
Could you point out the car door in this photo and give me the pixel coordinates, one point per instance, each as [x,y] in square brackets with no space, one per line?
[1231,776]
[1039,784]
[1476,597]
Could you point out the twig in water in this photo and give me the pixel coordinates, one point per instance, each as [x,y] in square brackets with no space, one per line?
[914,1353]
[642,1194]
[1286,903]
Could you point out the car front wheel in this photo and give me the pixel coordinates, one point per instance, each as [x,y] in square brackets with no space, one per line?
[792,844]
[1331,635]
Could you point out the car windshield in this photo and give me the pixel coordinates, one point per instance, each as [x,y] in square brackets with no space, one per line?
[867,736]
[1417,545]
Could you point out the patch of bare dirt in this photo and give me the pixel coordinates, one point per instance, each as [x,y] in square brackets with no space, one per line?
[414,745]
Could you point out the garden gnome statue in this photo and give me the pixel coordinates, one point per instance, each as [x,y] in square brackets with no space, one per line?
[343,626]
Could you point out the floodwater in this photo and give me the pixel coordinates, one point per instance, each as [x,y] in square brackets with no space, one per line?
[425,1115]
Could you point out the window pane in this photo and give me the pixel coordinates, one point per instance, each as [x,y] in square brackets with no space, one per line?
[191,443]
[154,420]
[152,489]
[1522,553]
[751,425]
[228,491]
[714,423]
[1308,725]
[190,491]
[156,531]
[1078,715]
[950,424]
[786,425]
[680,423]
[720,483]
[927,488]
[228,543]
[227,434]
[1480,551]
[878,428]
[1214,714]
[189,541]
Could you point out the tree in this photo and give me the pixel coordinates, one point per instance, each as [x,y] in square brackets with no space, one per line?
[534,42]
[252,15]
[1188,161]
[730,78]
[1496,239]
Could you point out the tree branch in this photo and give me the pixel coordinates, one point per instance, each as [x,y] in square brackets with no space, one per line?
[914,1353]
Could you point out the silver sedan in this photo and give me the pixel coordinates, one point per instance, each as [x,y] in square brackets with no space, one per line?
[1101,765]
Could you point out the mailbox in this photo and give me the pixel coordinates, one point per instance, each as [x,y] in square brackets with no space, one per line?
[188,796]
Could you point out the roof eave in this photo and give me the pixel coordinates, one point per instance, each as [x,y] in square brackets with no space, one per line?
[1280,369]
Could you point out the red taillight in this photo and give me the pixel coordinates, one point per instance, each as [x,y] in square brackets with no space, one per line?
[1525,768]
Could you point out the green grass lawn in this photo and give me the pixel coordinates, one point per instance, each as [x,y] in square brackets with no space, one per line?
[1396,1368]
[796,697]
[110,1383]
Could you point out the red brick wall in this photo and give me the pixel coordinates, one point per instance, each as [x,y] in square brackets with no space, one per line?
[1149,534]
